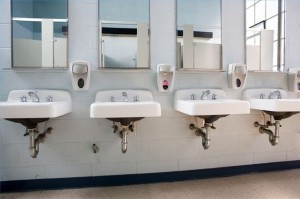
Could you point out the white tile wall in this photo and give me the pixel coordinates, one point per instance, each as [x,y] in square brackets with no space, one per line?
[158,144]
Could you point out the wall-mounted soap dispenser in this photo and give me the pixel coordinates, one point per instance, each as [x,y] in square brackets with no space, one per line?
[165,77]
[80,75]
[294,79]
[237,75]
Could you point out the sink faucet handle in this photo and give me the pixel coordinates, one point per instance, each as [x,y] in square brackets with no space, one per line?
[193,96]
[214,97]
[125,98]
[112,99]
[136,98]
[279,96]
[49,98]
[261,96]
[23,98]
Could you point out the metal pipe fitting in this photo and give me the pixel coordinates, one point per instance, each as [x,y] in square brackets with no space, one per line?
[124,140]
[206,138]
[95,148]
[273,136]
[205,135]
[33,148]
[35,139]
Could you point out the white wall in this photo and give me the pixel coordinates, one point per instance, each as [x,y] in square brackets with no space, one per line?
[158,144]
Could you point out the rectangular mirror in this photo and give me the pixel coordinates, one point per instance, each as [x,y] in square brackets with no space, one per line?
[39,33]
[199,34]
[124,33]
[265,23]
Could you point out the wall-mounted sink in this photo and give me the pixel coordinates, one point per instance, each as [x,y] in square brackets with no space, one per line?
[125,107]
[34,106]
[274,102]
[30,107]
[208,104]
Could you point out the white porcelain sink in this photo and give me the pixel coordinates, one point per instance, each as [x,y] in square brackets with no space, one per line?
[208,102]
[124,104]
[258,99]
[42,104]
[273,101]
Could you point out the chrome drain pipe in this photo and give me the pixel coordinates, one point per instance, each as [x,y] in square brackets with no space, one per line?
[123,133]
[35,139]
[206,139]
[33,145]
[205,135]
[124,140]
[273,136]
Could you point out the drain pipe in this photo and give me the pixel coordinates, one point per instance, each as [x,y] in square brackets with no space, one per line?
[124,140]
[273,136]
[125,130]
[206,139]
[35,139]
[33,145]
[205,135]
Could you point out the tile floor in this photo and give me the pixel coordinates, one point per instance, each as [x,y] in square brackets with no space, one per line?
[271,185]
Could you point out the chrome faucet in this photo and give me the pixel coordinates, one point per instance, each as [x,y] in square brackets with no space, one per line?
[125,98]
[275,95]
[205,94]
[34,96]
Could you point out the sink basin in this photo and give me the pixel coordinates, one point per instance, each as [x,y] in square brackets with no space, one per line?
[124,106]
[29,110]
[279,108]
[211,107]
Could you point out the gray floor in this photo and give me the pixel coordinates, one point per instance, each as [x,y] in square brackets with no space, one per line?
[283,184]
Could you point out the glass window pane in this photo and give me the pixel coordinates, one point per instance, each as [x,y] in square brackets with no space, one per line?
[250,17]
[271,8]
[249,3]
[260,9]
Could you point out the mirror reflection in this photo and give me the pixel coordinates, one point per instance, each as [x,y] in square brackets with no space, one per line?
[39,33]
[265,21]
[124,33]
[199,34]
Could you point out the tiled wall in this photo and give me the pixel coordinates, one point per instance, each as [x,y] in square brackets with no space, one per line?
[158,144]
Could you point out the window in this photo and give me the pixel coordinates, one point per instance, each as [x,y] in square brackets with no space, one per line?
[269,15]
